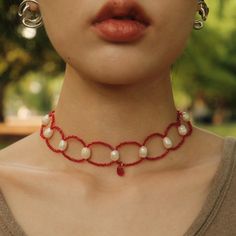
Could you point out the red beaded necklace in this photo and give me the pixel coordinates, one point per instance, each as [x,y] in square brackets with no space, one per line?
[48,128]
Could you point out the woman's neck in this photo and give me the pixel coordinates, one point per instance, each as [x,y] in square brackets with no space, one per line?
[114,114]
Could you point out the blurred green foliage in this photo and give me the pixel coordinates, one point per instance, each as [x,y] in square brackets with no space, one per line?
[36,91]
[226,129]
[208,65]
[19,56]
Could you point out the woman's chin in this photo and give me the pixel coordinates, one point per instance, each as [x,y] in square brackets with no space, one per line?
[111,75]
[115,80]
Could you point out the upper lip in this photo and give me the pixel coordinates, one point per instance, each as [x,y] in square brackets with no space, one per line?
[122,8]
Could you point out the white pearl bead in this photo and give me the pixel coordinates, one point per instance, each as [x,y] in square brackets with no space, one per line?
[182,130]
[186,116]
[62,145]
[167,142]
[46,120]
[115,155]
[143,151]
[86,152]
[48,133]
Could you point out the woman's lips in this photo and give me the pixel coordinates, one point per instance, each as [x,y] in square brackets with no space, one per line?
[120,30]
[122,8]
[121,21]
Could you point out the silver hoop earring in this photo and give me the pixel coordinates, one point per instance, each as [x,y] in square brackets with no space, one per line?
[29,18]
[204,11]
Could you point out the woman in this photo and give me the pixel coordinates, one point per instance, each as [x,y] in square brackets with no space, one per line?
[117,88]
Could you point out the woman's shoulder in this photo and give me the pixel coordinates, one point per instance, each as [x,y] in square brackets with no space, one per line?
[17,152]
[22,167]
[17,149]
[28,151]
[222,219]
[23,158]
[12,159]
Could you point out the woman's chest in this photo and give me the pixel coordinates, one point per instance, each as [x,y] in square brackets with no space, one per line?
[158,208]
[169,215]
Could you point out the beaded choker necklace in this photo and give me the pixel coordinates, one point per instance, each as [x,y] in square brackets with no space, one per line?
[49,128]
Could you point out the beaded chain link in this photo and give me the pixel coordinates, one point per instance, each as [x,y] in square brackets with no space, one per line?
[48,128]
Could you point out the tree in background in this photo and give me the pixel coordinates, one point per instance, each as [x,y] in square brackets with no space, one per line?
[207,69]
[19,56]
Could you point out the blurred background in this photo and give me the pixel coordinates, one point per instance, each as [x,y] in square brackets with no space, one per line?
[31,73]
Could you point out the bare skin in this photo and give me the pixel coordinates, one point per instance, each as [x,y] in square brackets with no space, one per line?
[66,201]
[112,92]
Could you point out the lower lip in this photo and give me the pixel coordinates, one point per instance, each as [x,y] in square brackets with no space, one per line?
[116,30]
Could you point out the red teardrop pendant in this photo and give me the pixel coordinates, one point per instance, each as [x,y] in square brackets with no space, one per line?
[120,170]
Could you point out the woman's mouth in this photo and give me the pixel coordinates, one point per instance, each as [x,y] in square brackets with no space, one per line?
[122,21]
